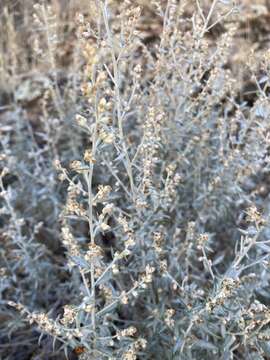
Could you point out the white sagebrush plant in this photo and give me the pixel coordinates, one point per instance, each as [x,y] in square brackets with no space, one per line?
[167,253]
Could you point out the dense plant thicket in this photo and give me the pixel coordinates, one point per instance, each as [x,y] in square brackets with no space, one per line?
[134,181]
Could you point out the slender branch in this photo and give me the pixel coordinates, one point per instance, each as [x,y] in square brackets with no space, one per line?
[127,163]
